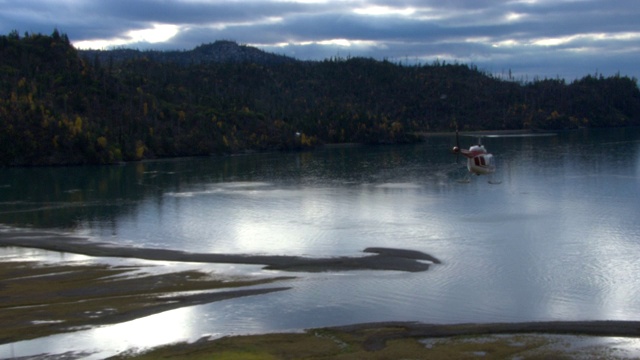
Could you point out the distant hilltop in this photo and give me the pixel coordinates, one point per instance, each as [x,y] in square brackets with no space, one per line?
[220,51]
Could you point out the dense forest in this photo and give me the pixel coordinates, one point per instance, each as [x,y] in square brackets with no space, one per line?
[62,106]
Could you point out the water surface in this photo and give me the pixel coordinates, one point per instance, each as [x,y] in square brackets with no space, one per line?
[557,239]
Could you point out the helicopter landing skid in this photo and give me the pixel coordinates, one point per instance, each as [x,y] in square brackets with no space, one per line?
[464,180]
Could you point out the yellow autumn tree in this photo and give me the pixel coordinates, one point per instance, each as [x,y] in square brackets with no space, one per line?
[140,149]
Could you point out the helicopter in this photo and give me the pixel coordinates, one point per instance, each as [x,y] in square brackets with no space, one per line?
[479,160]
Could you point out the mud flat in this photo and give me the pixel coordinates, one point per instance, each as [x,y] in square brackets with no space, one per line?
[42,299]
[39,299]
[381,258]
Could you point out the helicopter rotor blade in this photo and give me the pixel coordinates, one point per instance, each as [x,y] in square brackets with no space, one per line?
[457,145]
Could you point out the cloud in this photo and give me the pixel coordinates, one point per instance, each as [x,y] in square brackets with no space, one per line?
[545,38]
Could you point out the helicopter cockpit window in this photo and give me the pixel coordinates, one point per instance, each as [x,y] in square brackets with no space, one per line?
[479,161]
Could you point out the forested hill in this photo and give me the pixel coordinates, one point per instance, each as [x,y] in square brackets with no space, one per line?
[58,106]
[219,51]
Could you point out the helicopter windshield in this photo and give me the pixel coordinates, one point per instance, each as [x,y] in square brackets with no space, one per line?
[483,160]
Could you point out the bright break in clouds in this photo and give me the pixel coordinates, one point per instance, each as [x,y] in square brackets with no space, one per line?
[528,38]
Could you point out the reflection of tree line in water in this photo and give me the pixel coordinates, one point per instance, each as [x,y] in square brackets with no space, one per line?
[59,108]
[63,196]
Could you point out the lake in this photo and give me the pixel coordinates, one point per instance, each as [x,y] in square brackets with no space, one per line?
[557,239]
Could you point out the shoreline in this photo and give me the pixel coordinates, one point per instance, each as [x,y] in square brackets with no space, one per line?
[391,340]
[403,330]
[496,133]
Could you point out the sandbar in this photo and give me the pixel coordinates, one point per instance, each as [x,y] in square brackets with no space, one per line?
[381,258]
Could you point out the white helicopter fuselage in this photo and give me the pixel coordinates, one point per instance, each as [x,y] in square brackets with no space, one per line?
[479,161]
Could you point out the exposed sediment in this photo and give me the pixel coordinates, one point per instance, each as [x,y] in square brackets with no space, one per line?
[130,298]
[383,258]
[40,299]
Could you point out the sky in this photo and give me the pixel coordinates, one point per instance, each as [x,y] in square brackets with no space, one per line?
[524,39]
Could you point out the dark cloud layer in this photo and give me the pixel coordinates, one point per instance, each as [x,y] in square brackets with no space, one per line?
[532,38]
